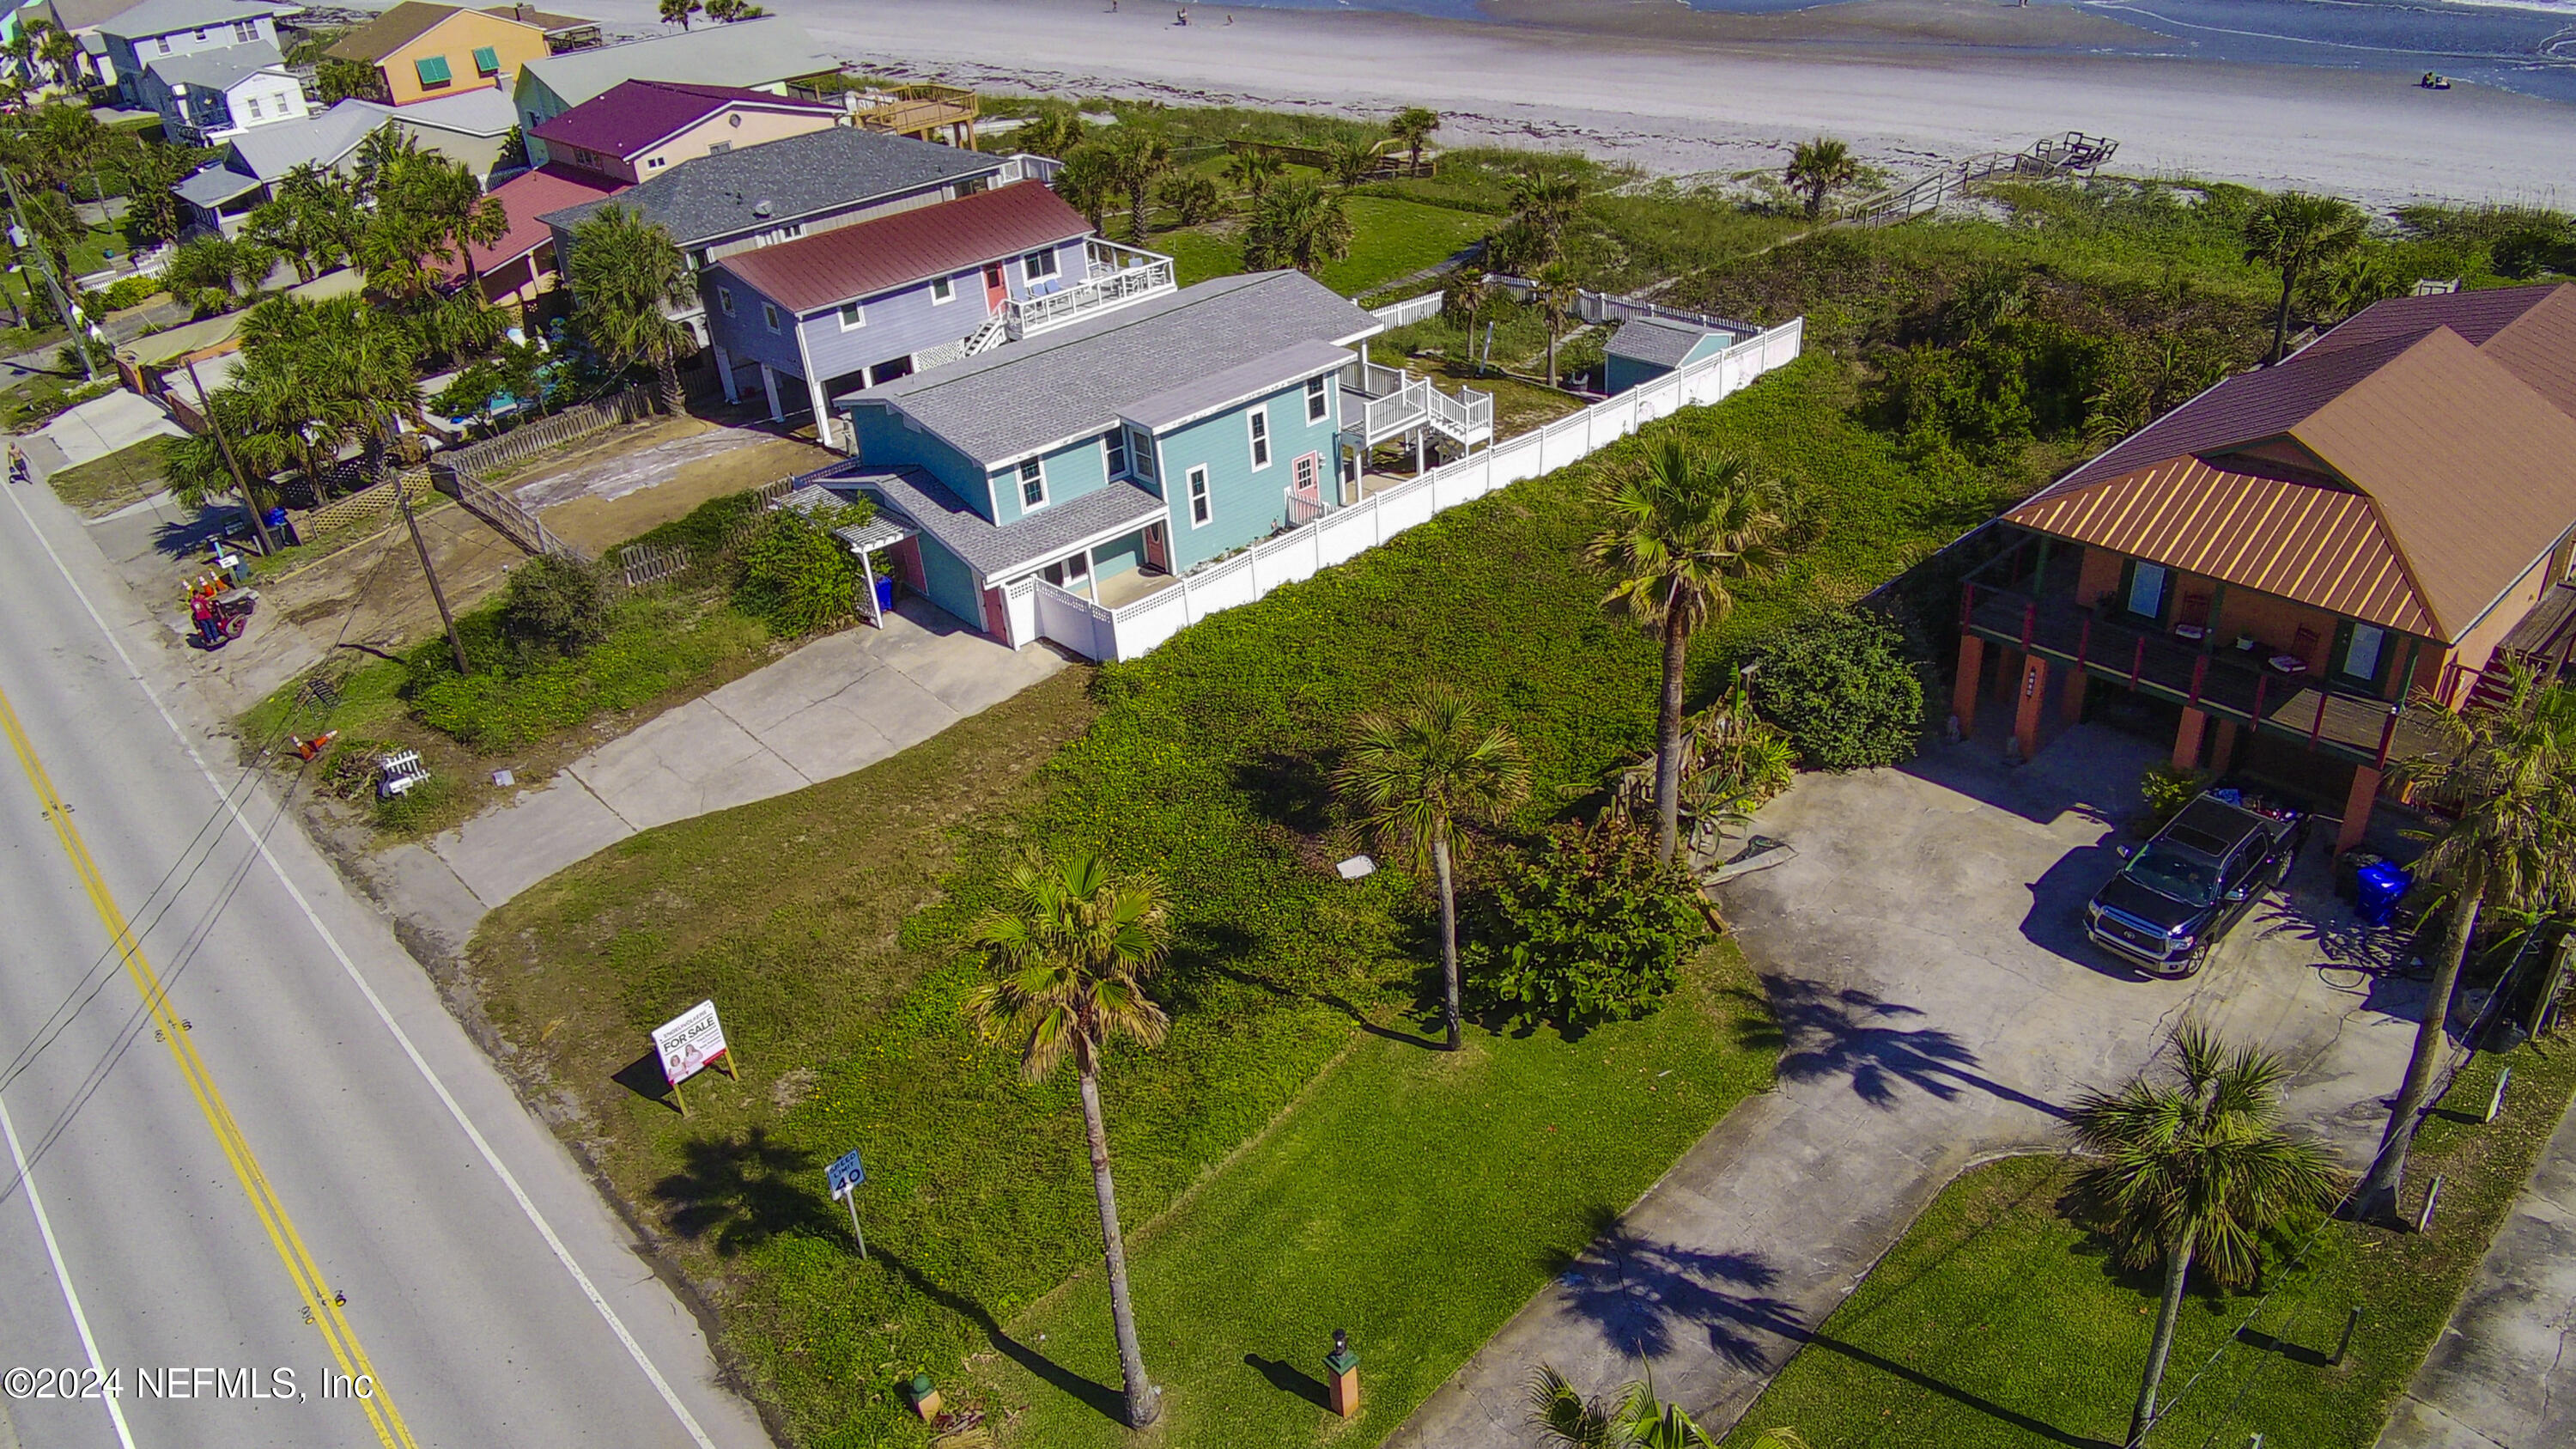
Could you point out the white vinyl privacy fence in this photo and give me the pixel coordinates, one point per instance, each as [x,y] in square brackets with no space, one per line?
[1038,608]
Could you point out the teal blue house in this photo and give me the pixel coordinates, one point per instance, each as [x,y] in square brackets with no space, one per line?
[1106,456]
[1645,348]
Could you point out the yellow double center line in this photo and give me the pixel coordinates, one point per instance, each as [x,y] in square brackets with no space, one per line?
[319,1303]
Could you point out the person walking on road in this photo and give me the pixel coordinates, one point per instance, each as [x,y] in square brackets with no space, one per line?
[17,462]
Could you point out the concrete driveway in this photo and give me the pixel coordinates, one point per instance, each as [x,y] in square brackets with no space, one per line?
[836,705]
[1924,958]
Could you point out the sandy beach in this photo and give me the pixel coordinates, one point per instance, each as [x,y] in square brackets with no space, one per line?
[1910,83]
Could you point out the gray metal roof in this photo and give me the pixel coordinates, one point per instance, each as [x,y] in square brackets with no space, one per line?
[218,69]
[165,17]
[710,198]
[1227,386]
[1025,396]
[214,186]
[749,53]
[915,499]
[1651,339]
[269,152]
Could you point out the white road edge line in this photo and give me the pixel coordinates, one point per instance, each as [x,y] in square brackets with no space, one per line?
[491,1159]
[63,1276]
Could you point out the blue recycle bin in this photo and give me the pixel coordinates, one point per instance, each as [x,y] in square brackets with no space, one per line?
[885,592]
[2378,889]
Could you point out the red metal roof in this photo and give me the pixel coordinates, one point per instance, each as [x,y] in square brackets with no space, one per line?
[525,198]
[632,115]
[850,262]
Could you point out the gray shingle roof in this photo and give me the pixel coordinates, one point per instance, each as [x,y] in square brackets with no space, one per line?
[922,502]
[1211,392]
[163,17]
[1649,339]
[218,69]
[1024,396]
[214,186]
[745,53]
[713,197]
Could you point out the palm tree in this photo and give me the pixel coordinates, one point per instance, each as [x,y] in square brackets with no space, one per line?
[1299,224]
[2507,773]
[624,272]
[1350,162]
[1140,157]
[1635,1419]
[1543,203]
[2193,1167]
[1089,181]
[1416,776]
[1051,132]
[1071,946]
[1683,528]
[1254,171]
[1189,196]
[677,12]
[1819,168]
[1557,296]
[2293,231]
[1411,128]
[1465,299]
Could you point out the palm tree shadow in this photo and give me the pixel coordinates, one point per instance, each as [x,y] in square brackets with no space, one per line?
[741,1192]
[1287,1378]
[1959,1396]
[1828,1031]
[1108,1402]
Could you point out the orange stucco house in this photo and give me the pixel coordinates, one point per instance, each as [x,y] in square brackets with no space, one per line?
[422,51]
[2299,552]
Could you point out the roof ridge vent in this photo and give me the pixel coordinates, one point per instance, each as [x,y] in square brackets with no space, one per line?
[760,208]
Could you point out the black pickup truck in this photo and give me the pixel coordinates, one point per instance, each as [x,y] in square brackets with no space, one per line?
[2181,891]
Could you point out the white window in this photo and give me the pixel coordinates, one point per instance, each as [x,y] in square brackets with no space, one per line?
[245,30]
[1032,485]
[769,316]
[1201,510]
[1260,417]
[2147,591]
[1038,265]
[942,290]
[1140,455]
[1069,573]
[201,37]
[724,299]
[254,108]
[1116,444]
[853,316]
[2361,656]
[655,163]
[1315,404]
[163,42]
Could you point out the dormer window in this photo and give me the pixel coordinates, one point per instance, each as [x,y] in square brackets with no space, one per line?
[853,316]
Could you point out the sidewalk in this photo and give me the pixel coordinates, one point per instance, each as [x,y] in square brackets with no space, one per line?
[836,705]
[2499,1374]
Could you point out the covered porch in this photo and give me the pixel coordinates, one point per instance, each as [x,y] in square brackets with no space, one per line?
[2026,607]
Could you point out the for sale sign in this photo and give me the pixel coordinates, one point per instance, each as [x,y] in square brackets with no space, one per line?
[689,1043]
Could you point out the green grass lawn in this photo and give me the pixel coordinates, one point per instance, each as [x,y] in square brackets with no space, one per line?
[103,485]
[1392,238]
[1404,1168]
[1999,1323]
[826,924]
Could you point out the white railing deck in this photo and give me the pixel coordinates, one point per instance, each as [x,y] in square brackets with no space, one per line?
[1385,401]
[1337,534]
[1112,281]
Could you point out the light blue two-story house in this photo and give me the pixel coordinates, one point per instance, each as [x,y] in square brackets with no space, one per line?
[865,305]
[1114,451]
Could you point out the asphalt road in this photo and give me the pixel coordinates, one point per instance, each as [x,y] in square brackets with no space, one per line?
[214,1141]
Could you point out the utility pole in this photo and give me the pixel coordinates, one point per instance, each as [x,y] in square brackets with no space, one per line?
[455,641]
[241,480]
[21,235]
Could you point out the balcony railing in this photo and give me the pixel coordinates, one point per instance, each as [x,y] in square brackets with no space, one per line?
[2346,723]
[1380,402]
[1119,275]
[912,110]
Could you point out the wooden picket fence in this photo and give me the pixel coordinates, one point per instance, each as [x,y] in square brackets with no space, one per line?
[643,565]
[366,505]
[500,510]
[490,456]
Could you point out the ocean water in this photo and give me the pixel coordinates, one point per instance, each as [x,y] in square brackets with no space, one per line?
[2527,46]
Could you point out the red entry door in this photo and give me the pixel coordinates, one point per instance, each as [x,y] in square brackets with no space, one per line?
[995,293]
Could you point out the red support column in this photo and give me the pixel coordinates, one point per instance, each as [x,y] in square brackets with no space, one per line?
[2138,665]
[2186,755]
[2029,624]
[2199,676]
[2356,808]
[2317,731]
[2223,746]
[2034,689]
[2071,692]
[2387,737]
[1963,692]
[2261,682]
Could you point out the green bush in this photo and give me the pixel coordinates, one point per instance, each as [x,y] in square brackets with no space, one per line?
[1587,928]
[555,603]
[795,576]
[2167,789]
[1839,683]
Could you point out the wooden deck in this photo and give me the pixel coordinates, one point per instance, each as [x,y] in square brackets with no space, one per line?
[2352,726]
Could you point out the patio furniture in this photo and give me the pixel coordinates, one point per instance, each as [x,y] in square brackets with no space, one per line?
[2288,664]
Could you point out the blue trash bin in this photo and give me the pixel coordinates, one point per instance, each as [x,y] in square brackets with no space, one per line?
[2378,889]
[885,592]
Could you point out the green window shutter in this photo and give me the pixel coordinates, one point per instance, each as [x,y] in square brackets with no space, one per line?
[433,70]
[487,60]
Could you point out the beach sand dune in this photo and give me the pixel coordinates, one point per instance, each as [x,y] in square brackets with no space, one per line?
[1909,82]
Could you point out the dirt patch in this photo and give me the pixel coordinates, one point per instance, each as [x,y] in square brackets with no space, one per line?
[600,523]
